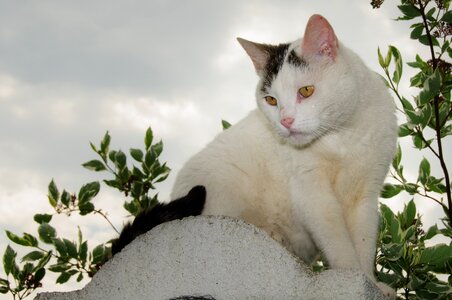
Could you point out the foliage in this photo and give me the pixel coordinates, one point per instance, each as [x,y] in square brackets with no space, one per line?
[404,260]
[53,253]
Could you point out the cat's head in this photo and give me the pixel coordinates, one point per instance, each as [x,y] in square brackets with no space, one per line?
[306,88]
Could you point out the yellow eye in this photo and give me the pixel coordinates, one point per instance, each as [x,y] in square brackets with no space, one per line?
[306,91]
[271,100]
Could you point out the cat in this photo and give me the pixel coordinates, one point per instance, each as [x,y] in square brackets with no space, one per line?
[190,205]
[308,164]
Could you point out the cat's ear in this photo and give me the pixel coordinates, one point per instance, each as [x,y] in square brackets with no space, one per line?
[257,52]
[319,38]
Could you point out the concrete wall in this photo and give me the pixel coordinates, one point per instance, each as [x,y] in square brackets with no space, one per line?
[215,257]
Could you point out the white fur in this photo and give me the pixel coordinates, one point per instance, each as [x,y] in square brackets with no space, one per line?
[317,190]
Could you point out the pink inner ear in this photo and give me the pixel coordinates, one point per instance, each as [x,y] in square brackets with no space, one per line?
[256,52]
[319,38]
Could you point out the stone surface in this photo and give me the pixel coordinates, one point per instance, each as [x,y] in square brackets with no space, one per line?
[214,256]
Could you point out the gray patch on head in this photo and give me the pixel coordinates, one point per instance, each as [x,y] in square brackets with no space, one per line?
[296,60]
[276,56]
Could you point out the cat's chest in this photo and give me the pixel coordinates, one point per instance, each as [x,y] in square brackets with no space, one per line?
[334,164]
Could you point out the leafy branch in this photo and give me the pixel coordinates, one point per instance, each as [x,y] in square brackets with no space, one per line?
[69,258]
[404,260]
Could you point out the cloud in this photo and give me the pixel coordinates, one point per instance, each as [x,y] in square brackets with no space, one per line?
[70,71]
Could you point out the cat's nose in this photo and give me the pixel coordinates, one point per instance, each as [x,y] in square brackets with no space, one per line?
[287,122]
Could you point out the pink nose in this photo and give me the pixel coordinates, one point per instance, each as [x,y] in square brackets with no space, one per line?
[287,122]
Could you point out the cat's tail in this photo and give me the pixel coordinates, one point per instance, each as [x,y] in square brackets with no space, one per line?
[190,205]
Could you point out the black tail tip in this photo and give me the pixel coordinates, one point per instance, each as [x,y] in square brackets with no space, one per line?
[198,192]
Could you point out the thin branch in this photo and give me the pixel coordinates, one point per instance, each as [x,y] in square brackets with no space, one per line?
[106,218]
[428,144]
[437,125]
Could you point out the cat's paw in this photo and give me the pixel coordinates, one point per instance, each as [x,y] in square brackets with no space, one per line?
[388,291]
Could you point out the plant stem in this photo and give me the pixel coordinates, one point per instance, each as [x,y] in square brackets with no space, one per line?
[106,218]
[437,120]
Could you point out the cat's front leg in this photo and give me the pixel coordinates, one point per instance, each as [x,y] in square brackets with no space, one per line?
[362,219]
[322,216]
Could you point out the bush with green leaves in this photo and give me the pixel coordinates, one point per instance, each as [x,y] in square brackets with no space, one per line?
[51,252]
[406,258]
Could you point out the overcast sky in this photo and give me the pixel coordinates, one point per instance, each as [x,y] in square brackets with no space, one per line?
[71,70]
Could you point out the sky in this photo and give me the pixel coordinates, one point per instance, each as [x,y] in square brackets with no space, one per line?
[72,70]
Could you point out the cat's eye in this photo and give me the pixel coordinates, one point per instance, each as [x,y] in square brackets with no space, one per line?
[271,100]
[306,91]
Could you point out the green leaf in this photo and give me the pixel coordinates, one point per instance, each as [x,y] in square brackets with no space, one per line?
[4,289]
[406,129]
[80,277]
[381,60]
[430,88]
[411,188]
[390,190]
[157,148]
[149,160]
[42,218]
[425,41]
[59,267]
[9,260]
[120,160]
[392,251]
[409,10]
[396,230]
[95,165]
[16,239]
[415,282]
[33,255]
[93,147]
[83,251]
[46,233]
[133,207]
[137,154]
[424,171]
[431,232]
[226,124]
[43,261]
[397,75]
[113,183]
[414,117]
[417,30]
[65,198]
[98,254]
[436,255]
[104,145]
[148,138]
[397,157]
[447,17]
[417,80]
[137,189]
[410,212]
[419,143]
[63,278]
[137,173]
[60,247]
[85,208]
[71,248]
[4,282]
[406,104]
[446,130]
[39,275]
[88,192]
[53,194]
[438,288]
[112,156]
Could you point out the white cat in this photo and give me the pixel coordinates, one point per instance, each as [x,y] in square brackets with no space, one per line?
[308,165]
